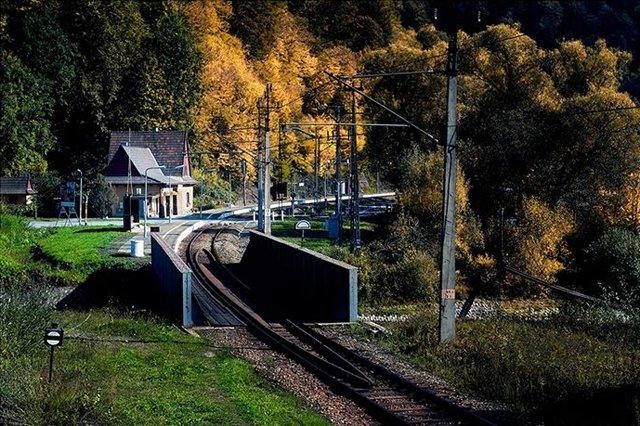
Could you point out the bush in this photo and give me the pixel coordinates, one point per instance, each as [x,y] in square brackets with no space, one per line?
[398,268]
[16,209]
[612,266]
[414,277]
[103,196]
[48,187]
[529,365]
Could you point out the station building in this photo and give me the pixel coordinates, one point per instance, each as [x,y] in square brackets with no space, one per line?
[16,190]
[169,190]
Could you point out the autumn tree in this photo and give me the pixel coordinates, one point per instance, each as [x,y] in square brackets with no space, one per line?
[538,242]
[230,87]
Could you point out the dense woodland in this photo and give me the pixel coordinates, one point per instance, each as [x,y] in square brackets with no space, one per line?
[549,130]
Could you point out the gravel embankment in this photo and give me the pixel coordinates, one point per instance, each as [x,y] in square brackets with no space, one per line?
[368,348]
[287,374]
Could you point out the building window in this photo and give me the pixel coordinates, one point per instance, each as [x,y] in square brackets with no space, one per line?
[188,199]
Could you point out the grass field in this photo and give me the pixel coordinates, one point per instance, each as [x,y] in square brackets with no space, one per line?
[132,370]
[61,256]
[74,253]
[533,366]
[167,377]
[114,367]
[316,238]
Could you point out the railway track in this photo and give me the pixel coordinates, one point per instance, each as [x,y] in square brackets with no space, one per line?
[386,395]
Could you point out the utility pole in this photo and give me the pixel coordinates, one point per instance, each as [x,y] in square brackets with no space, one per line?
[267,164]
[260,167]
[264,162]
[355,181]
[325,175]
[243,166]
[80,203]
[447,261]
[338,173]
[316,164]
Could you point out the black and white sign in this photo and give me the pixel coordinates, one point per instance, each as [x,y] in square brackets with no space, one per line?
[303,224]
[53,336]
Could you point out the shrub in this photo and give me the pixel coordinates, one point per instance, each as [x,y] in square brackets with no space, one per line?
[398,268]
[612,266]
[529,365]
[103,196]
[413,277]
[48,187]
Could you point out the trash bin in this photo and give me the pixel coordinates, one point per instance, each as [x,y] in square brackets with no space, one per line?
[137,248]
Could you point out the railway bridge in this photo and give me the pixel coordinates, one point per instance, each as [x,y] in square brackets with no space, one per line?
[227,274]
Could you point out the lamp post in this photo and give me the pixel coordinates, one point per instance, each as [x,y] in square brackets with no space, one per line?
[80,204]
[146,207]
[171,191]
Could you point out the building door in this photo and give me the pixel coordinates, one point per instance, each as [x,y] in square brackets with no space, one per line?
[175,205]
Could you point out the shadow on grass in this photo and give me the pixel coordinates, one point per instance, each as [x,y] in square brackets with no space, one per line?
[119,288]
[612,406]
[99,229]
[127,255]
[39,255]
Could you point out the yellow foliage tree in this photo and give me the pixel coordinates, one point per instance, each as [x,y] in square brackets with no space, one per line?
[579,69]
[622,207]
[231,86]
[421,196]
[539,239]
[503,60]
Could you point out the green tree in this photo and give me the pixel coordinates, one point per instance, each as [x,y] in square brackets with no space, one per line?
[26,105]
[109,41]
[256,23]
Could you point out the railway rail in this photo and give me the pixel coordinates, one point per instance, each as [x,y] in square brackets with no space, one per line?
[387,396]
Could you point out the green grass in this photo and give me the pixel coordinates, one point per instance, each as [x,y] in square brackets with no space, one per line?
[158,376]
[171,378]
[16,241]
[63,256]
[74,253]
[316,238]
[78,246]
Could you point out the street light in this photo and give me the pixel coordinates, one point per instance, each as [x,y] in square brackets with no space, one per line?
[146,207]
[80,205]
[171,191]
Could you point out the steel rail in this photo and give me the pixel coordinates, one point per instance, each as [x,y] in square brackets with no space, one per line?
[314,363]
[399,381]
[343,370]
